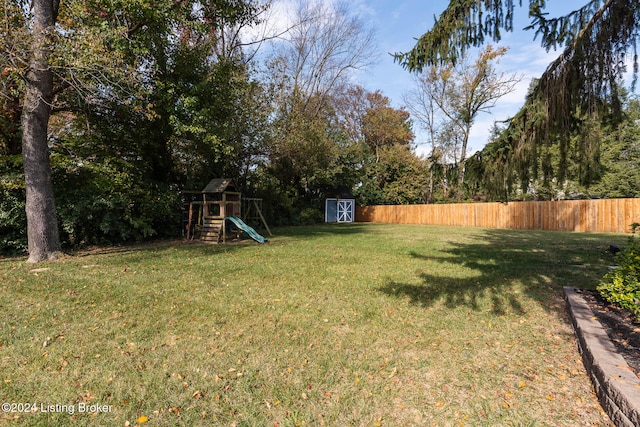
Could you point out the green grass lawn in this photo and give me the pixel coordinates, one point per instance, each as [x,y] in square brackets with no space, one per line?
[333,325]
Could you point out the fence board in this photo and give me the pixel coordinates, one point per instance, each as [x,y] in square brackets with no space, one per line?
[604,216]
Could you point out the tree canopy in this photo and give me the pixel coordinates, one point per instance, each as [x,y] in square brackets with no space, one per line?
[129,98]
[148,98]
[122,105]
[582,84]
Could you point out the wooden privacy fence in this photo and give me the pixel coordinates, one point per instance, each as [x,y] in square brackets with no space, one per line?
[605,215]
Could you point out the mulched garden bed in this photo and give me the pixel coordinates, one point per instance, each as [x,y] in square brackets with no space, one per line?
[621,325]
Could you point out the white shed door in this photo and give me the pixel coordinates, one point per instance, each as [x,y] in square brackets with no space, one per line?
[345,210]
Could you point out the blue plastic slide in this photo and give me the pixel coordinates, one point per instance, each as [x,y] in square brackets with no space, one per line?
[244,227]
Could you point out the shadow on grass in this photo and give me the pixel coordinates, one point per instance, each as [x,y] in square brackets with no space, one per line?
[323,230]
[141,252]
[498,267]
[148,250]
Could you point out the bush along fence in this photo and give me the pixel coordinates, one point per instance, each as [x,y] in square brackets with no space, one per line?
[603,215]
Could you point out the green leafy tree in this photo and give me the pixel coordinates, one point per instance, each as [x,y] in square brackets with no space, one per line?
[391,173]
[385,126]
[314,143]
[108,79]
[46,51]
[13,219]
[310,157]
[10,113]
[620,157]
[449,98]
[397,177]
[502,173]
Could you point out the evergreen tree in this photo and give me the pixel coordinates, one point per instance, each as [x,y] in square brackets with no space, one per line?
[580,85]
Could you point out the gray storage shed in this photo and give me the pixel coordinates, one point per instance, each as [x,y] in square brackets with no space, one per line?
[341,208]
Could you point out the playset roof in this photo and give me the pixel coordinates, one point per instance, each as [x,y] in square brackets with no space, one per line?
[220,185]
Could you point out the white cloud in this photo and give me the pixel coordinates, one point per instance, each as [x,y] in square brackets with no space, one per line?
[274,21]
[360,7]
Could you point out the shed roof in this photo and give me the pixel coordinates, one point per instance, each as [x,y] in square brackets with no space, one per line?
[342,193]
[220,185]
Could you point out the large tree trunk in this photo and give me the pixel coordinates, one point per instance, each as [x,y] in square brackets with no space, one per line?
[42,223]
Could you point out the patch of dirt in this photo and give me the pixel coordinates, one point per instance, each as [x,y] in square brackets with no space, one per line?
[621,325]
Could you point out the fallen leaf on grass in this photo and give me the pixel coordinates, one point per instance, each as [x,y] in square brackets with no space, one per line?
[143,419]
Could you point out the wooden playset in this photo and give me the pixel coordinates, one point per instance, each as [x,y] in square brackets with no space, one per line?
[207,213]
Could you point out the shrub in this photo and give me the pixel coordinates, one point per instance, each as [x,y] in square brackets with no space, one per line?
[13,218]
[310,216]
[109,203]
[621,286]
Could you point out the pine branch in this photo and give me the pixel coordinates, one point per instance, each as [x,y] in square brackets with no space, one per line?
[562,31]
